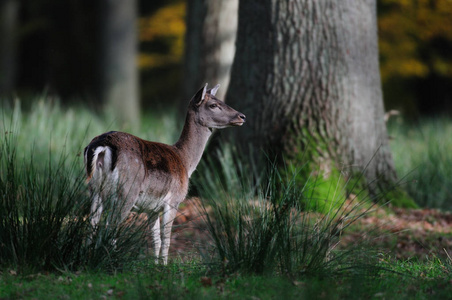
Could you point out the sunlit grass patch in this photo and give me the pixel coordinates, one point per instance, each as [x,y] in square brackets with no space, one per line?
[423,158]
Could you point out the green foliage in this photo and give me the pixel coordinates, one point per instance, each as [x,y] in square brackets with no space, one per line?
[422,154]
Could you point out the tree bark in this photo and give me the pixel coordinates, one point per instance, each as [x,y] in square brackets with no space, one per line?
[118,67]
[308,72]
[8,36]
[210,44]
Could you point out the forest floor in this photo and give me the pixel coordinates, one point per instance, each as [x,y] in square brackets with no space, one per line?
[398,232]
[404,234]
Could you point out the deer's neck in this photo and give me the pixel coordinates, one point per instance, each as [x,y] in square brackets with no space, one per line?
[192,142]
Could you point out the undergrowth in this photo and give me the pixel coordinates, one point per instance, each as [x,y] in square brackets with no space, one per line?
[261,226]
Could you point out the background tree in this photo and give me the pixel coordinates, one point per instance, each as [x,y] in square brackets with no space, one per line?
[209,44]
[117,58]
[307,73]
[8,36]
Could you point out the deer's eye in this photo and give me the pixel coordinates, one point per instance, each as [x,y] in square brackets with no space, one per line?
[213,105]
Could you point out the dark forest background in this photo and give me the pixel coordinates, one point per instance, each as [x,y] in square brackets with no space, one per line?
[55,50]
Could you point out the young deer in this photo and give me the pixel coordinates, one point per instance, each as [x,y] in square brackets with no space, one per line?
[152,175]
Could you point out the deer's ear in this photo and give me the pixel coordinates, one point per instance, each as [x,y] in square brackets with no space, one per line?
[200,95]
[214,90]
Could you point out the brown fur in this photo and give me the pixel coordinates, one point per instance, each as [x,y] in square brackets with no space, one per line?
[159,159]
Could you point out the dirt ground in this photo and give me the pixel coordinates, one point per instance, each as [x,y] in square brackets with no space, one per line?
[401,233]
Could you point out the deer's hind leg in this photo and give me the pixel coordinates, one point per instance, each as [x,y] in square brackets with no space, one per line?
[156,240]
[96,210]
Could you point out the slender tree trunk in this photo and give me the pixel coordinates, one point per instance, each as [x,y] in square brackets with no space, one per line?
[8,35]
[308,72]
[118,51]
[210,44]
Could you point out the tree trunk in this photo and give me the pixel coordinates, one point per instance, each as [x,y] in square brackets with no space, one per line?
[8,20]
[308,72]
[210,44]
[118,67]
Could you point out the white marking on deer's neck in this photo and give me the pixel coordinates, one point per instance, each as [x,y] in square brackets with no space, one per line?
[192,142]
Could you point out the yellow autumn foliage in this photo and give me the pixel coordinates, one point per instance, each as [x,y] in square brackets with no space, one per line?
[166,23]
[407,29]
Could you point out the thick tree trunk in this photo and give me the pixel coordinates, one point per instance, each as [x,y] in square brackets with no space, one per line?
[308,71]
[210,44]
[118,67]
[8,20]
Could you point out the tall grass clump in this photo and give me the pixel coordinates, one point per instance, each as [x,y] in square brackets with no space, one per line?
[45,203]
[422,154]
[259,226]
[44,218]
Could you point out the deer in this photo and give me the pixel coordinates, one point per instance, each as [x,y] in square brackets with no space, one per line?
[150,175]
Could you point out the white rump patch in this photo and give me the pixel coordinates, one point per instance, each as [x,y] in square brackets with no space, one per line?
[103,178]
[102,159]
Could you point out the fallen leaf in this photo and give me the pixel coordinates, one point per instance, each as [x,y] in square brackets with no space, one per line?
[206,281]
[120,294]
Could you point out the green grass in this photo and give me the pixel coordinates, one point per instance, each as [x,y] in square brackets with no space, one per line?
[423,157]
[193,281]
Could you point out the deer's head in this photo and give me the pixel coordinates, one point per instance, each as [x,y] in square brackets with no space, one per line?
[212,112]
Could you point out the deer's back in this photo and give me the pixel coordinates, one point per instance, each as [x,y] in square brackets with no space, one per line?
[154,168]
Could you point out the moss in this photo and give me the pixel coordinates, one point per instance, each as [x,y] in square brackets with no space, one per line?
[325,185]
[324,190]
[400,198]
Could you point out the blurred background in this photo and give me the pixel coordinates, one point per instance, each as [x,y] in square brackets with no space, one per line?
[61,48]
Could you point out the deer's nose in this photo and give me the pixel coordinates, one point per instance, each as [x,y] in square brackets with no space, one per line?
[243,117]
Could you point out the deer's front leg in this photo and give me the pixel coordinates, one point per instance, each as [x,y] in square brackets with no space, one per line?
[169,214]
